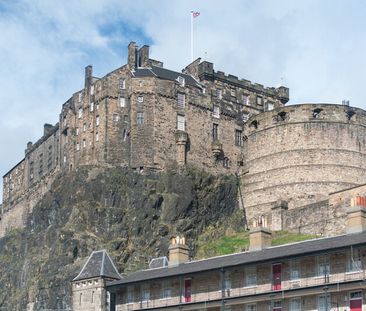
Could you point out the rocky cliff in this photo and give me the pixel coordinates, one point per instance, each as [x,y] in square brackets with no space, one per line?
[132,215]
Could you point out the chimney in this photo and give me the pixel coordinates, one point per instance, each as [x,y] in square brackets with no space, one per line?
[132,55]
[47,129]
[88,75]
[144,56]
[356,215]
[178,251]
[260,236]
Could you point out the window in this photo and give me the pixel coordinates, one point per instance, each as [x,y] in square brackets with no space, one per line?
[245,99]
[216,112]
[277,305]
[203,90]
[84,143]
[92,106]
[92,90]
[80,96]
[77,131]
[251,276]
[77,146]
[122,84]
[140,99]
[166,291]
[84,127]
[215,131]
[130,294]
[270,105]
[145,292]
[181,101]
[259,101]
[80,113]
[97,136]
[295,304]
[232,92]
[97,121]
[354,262]
[65,159]
[97,106]
[122,102]
[294,270]
[115,117]
[140,118]
[238,137]
[245,116]
[181,123]
[181,81]
[324,303]
[227,281]
[219,94]
[252,307]
[323,266]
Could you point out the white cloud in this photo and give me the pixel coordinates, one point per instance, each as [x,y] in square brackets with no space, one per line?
[317,47]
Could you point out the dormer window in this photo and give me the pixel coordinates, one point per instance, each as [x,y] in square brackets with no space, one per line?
[181,81]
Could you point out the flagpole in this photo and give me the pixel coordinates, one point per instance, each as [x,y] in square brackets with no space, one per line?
[191,36]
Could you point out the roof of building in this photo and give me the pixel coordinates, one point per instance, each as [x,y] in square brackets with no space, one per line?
[165,74]
[99,264]
[268,254]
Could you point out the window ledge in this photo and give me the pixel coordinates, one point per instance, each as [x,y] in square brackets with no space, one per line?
[251,286]
[352,272]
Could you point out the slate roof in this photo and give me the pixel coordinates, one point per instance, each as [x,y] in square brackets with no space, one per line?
[164,74]
[99,264]
[159,262]
[268,254]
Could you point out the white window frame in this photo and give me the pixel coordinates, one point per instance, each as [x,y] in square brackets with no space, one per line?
[140,99]
[84,143]
[84,127]
[269,105]
[245,99]
[80,113]
[251,276]
[251,307]
[216,111]
[97,120]
[77,131]
[91,106]
[77,146]
[181,123]
[166,289]
[181,81]
[122,83]
[96,136]
[122,102]
[181,100]
[323,266]
[115,117]
[294,270]
[259,100]
[295,304]
[92,90]
[354,260]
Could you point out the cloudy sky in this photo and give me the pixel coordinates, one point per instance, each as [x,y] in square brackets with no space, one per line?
[316,48]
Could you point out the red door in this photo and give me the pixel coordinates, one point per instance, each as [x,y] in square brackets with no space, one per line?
[276,270]
[355,305]
[187,290]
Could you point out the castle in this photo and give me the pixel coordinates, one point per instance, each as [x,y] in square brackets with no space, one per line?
[302,159]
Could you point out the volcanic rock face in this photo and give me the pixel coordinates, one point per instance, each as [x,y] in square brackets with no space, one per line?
[132,215]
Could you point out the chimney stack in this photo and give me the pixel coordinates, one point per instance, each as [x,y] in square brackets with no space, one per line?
[260,236]
[144,56]
[47,129]
[178,251]
[356,215]
[132,55]
[88,75]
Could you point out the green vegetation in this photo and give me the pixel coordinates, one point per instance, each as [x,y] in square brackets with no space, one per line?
[213,244]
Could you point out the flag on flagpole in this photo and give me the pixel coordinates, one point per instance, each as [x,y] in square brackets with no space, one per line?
[195,14]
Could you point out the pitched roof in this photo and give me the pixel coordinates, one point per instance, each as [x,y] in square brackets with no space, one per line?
[165,74]
[99,264]
[268,254]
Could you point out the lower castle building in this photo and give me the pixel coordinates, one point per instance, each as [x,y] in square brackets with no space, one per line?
[321,274]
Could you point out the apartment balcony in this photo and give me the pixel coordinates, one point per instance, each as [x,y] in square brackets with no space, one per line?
[212,293]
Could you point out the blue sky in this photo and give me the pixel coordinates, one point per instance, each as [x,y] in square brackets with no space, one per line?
[316,48]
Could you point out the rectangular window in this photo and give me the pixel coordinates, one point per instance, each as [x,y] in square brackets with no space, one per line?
[97,121]
[130,294]
[181,101]
[97,106]
[251,276]
[277,305]
[295,304]
[245,99]
[122,84]
[259,101]
[227,282]
[122,102]
[216,112]
[77,146]
[270,105]
[324,303]
[92,90]
[238,137]
[140,99]
[80,113]
[140,118]
[96,136]
[251,307]
[294,270]
[80,96]
[77,131]
[219,94]
[245,116]
[84,143]
[84,127]
[145,292]
[232,92]
[323,266]
[115,117]
[92,106]
[166,291]
[181,120]
[215,131]
[354,262]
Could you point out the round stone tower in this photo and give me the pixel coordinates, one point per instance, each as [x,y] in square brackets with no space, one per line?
[301,153]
